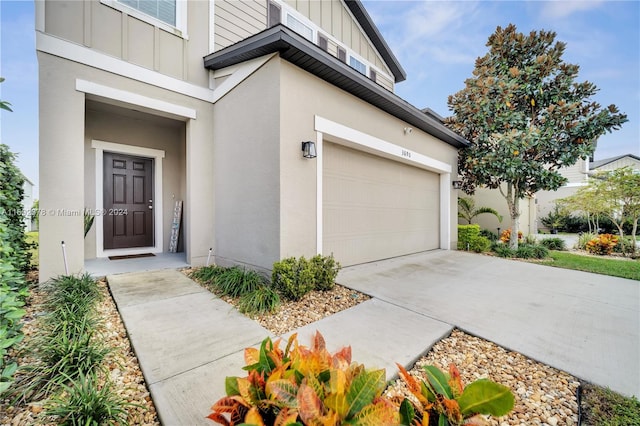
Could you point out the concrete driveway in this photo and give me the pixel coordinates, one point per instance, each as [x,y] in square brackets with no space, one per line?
[585,324]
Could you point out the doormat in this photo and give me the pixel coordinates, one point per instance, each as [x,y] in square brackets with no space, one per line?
[131,256]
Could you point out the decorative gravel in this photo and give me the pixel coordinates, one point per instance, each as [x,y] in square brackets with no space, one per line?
[122,364]
[544,395]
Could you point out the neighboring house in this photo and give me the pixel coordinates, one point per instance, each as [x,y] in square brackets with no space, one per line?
[133,119]
[27,204]
[542,203]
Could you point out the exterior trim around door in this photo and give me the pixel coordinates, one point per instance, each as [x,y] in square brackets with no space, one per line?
[155,154]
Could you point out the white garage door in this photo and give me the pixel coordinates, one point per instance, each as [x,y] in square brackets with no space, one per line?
[375,208]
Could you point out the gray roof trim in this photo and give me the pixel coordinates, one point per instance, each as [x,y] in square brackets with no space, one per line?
[600,163]
[364,19]
[294,48]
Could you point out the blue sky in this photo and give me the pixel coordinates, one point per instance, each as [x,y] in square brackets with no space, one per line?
[436,42]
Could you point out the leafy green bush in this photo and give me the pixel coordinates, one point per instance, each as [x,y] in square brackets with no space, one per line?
[293,278]
[624,246]
[85,401]
[326,270]
[554,243]
[11,208]
[491,236]
[13,292]
[531,251]
[469,238]
[262,300]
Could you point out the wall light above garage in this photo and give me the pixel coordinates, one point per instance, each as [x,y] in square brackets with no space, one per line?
[309,149]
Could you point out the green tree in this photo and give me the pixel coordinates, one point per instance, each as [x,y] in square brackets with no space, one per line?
[467,210]
[4,104]
[526,117]
[618,194]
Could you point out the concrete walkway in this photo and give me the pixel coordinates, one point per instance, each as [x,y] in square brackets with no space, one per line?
[188,341]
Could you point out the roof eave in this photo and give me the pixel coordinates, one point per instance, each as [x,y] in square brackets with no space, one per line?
[295,49]
[364,19]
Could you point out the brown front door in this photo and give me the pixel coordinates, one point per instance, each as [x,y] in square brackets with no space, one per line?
[128,201]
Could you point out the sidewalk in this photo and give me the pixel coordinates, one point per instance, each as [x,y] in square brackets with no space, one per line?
[187,340]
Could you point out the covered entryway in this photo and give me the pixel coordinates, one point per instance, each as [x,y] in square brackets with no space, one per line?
[376,208]
[128,201]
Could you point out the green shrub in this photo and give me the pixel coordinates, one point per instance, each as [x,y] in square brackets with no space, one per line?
[11,209]
[584,238]
[236,282]
[86,402]
[491,236]
[470,238]
[207,274]
[79,293]
[531,251]
[480,244]
[293,278]
[326,270]
[502,250]
[624,246]
[554,243]
[262,300]
[13,292]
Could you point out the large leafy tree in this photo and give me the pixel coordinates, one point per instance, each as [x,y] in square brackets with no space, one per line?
[614,194]
[526,117]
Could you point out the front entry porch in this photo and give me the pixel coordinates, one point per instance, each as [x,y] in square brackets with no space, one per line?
[103,266]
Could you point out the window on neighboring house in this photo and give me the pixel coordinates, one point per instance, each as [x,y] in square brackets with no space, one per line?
[342,54]
[164,10]
[357,65]
[372,74]
[299,27]
[323,42]
[274,14]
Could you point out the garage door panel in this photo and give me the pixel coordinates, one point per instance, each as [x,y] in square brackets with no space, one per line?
[376,208]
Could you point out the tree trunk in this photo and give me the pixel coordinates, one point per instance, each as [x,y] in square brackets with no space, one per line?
[515,223]
[633,236]
[513,202]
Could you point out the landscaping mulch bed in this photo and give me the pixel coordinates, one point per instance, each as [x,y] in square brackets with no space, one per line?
[122,365]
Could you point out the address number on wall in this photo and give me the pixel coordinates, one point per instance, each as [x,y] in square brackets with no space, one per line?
[406,153]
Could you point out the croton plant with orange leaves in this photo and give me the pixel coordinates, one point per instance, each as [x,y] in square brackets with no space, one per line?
[309,386]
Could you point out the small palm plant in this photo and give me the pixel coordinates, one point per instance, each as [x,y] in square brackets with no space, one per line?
[467,210]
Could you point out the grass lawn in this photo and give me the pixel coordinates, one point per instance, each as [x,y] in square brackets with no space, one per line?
[604,407]
[32,237]
[616,268]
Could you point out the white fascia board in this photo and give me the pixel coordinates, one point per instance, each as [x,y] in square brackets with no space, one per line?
[65,49]
[135,99]
[364,142]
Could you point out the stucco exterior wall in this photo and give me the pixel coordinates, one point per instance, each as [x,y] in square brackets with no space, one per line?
[303,97]
[142,130]
[246,170]
[64,159]
[485,197]
[140,41]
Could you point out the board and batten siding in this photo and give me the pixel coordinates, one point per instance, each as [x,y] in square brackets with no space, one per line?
[334,18]
[114,32]
[618,164]
[237,20]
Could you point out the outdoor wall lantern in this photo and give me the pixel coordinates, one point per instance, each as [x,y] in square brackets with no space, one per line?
[457,184]
[309,149]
